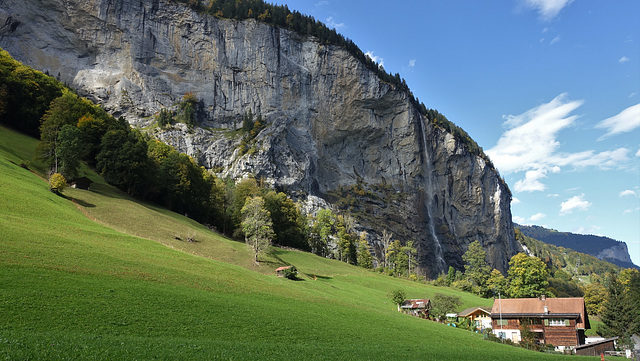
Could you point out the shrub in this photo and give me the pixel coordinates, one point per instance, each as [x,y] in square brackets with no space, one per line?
[57,183]
[290,273]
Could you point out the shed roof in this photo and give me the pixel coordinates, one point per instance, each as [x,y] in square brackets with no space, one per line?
[596,343]
[535,307]
[416,303]
[283,268]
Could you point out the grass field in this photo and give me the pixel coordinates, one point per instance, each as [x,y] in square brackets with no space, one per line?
[96,276]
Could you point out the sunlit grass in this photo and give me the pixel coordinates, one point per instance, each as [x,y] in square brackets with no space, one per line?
[116,285]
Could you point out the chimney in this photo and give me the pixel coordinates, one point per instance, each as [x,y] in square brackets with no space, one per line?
[543,297]
[546,310]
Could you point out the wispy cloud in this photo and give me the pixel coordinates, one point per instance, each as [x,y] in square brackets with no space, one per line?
[531,138]
[375,58]
[536,217]
[412,63]
[322,3]
[627,192]
[576,203]
[548,9]
[624,59]
[554,40]
[530,144]
[332,24]
[624,122]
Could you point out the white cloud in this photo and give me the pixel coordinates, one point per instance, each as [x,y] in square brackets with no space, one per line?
[376,59]
[627,211]
[515,201]
[518,220]
[332,24]
[548,9]
[531,182]
[624,122]
[576,203]
[554,40]
[536,217]
[553,195]
[530,144]
[532,137]
[624,59]
[627,192]
[321,3]
[412,63]
[638,153]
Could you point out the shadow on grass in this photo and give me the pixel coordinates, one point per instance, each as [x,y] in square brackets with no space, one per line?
[81,202]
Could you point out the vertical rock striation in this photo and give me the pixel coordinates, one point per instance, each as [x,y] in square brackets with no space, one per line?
[332,123]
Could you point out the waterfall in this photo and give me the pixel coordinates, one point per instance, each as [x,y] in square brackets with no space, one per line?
[430,192]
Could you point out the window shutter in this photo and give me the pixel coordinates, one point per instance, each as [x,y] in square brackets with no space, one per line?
[546,322]
[566,322]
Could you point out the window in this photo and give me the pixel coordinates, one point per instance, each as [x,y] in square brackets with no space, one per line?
[502,335]
[558,322]
[502,322]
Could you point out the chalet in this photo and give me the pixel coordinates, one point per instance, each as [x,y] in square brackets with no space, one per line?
[480,317]
[416,307]
[556,321]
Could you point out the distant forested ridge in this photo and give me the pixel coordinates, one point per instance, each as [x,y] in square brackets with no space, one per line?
[584,243]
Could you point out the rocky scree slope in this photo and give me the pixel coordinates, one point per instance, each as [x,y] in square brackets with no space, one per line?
[332,124]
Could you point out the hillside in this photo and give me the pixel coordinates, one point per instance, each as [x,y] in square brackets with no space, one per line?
[77,283]
[603,248]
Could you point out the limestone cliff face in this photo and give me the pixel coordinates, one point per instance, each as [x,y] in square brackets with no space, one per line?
[332,123]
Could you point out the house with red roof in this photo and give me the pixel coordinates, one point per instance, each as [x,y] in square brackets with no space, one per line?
[556,321]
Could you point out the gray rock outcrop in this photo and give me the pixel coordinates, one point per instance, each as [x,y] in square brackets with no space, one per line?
[331,123]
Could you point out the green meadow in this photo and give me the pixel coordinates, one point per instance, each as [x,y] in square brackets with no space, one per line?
[95,275]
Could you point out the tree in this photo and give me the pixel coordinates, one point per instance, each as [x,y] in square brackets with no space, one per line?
[365,259]
[442,304]
[411,254]
[323,230]
[398,297]
[451,276]
[57,183]
[476,268]
[69,151]
[256,225]
[66,109]
[123,160]
[497,284]
[527,276]
[289,224]
[595,296]
[620,314]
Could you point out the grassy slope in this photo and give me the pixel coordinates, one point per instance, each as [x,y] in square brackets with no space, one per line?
[73,288]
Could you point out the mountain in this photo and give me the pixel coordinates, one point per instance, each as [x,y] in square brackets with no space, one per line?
[332,128]
[602,248]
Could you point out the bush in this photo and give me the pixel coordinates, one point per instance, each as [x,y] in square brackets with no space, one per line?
[290,273]
[57,183]
[398,297]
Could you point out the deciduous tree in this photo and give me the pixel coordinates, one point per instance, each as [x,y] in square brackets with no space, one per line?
[256,225]
[527,276]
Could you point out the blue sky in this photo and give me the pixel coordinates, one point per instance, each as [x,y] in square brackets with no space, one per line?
[549,88]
